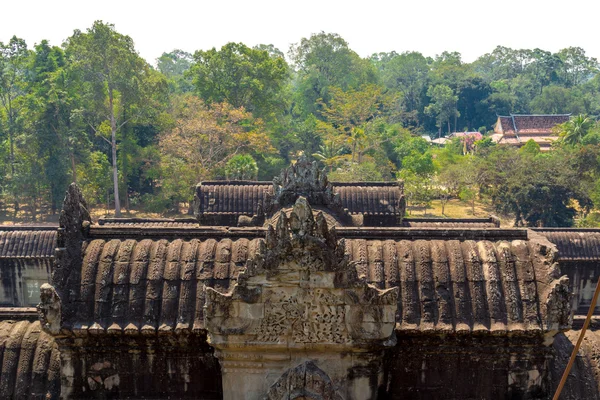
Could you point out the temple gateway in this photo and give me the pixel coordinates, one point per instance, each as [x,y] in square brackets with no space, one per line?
[296,289]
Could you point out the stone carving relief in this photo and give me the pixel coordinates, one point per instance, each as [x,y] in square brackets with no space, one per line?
[306,381]
[301,289]
[49,309]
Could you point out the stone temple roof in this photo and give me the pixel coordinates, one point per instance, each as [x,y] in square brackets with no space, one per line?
[574,244]
[243,197]
[143,281]
[27,242]
[30,362]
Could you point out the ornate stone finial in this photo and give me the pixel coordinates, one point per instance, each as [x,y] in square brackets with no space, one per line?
[304,179]
[74,218]
[74,223]
[307,239]
[300,293]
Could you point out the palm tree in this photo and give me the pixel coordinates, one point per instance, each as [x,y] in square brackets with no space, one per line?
[329,153]
[575,129]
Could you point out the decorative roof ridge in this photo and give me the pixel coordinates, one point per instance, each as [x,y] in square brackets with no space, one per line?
[540,115]
[269,183]
[15,228]
[562,229]
[111,220]
[515,126]
[235,182]
[349,232]
[440,219]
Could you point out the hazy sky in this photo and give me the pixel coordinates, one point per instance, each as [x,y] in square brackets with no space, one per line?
[470,27]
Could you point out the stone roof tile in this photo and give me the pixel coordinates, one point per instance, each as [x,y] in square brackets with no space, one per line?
[19,243]
[30,362]
[150,285]
[574,244]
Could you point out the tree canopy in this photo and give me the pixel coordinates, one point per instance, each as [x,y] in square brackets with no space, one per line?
[135,134]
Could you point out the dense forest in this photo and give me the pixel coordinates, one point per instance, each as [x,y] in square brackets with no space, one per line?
[140,136]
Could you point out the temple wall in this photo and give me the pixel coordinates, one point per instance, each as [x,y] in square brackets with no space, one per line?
[157,367]
[467,367]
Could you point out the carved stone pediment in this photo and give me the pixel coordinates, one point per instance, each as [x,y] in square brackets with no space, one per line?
[304,179]
[300,290]
[306,381]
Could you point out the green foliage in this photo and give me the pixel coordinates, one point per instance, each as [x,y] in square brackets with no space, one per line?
[94,106]
[322,61]
[242,77]
[531,148]
[241,167]
[443,106]
[367,171]
[174,66]
[574,130]
[95,178]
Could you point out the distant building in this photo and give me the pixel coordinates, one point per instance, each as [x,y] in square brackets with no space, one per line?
[517,129]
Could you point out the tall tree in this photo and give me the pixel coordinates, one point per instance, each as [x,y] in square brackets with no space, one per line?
[576,67]
[14,57]
[241,76]
[322,61]
[407,73]
[52,97]
[114,90]
[443,106]
[353,114]
[174,65]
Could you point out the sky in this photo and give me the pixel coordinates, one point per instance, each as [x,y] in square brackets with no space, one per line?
[472,28]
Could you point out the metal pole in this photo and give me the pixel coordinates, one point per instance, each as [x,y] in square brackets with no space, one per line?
[563,380]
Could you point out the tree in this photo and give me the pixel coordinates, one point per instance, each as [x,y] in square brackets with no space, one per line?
[575,129]
[407,73]
[241,167]
[322,61]
[443,106]
[202,141]
[354,113]
[576,67]
[117,84]
[241,76]
[531,148]
[558,100]
[14,57]
[174,65]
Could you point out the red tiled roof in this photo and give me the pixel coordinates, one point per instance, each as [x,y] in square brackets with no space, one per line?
[476,135]
[506,125]
[538,123]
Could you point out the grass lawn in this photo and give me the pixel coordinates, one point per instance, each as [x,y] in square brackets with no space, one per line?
[456,208]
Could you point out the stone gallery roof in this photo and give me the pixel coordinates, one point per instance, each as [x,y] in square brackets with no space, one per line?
[30,362]
[243,197]
[491,222]
[458,284]
[574,244]
[27,242]
[147,222]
